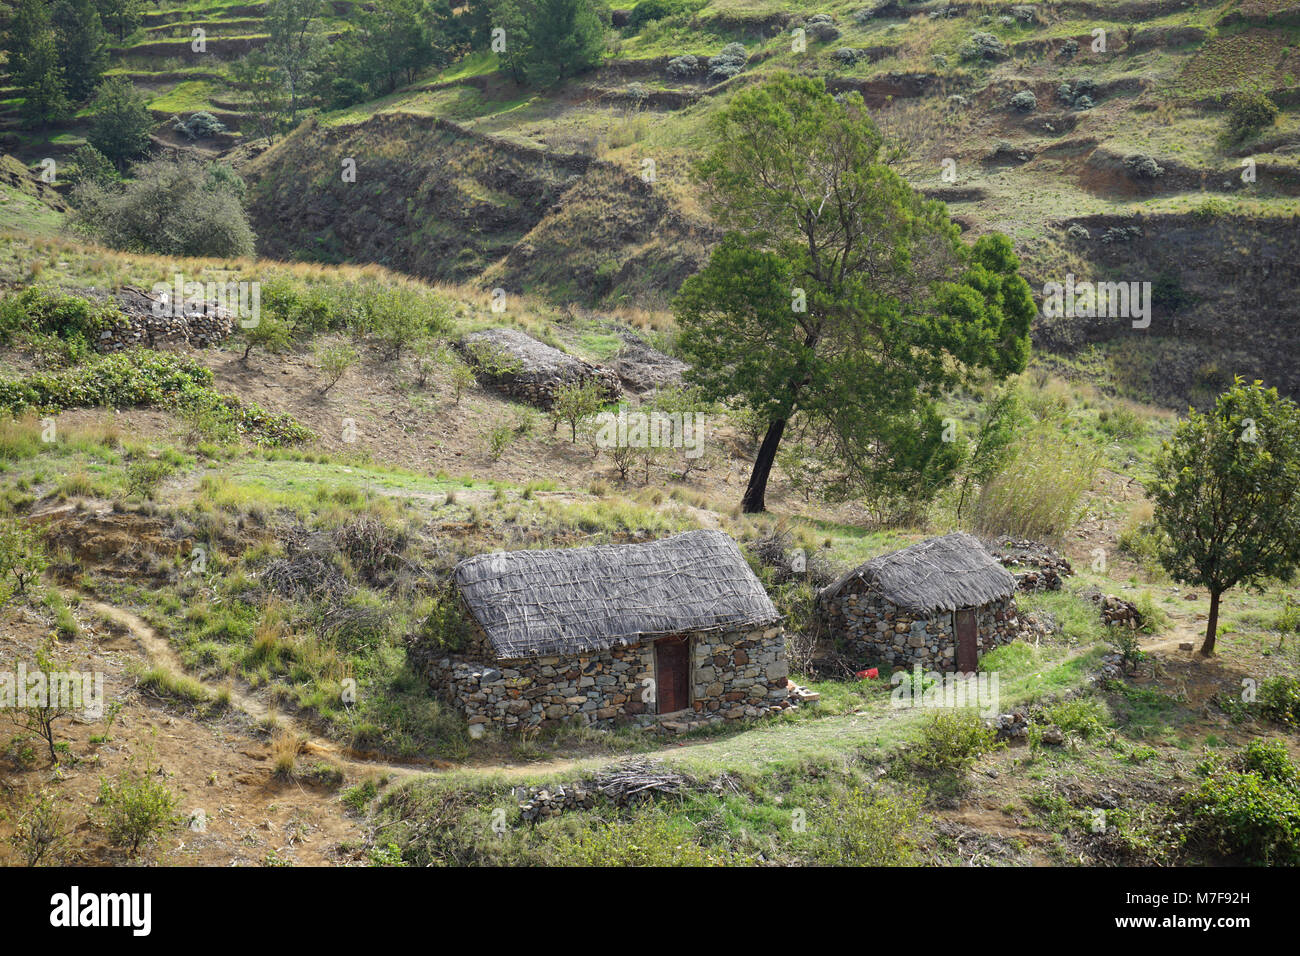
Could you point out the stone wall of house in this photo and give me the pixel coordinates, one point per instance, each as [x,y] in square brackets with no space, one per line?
[735,675]
[872,630]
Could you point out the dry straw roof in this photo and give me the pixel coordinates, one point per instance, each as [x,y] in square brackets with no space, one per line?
[940,574]
[580,600]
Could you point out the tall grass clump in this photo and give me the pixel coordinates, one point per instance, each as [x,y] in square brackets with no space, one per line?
[1037,494]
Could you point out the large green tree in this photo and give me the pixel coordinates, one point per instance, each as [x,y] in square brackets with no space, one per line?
[566,37]
[32,51]
[840,295]
[1227,495]
[296,45]
[121,16]
[120,121]
[83,46]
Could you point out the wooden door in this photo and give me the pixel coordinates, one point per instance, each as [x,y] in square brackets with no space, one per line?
[673,674]
[968,655]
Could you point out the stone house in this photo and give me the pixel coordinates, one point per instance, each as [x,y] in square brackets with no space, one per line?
[614,633]
[941,603]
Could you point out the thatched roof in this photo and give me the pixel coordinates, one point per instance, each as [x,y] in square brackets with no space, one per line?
[581,600]
[940,574]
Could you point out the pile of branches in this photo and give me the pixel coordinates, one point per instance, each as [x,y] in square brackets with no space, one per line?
[375,550]
[636,780]
[774,550]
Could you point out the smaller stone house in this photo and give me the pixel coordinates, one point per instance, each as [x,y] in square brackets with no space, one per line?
[614,633]
[941,603]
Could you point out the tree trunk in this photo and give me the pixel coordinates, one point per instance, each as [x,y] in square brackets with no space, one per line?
[1211,626]
[756,491]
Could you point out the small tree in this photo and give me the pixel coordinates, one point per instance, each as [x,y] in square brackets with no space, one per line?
[1225,495]
[40,715]
[41,832]
[269,334]
[23,556]
[333,361]
[135,808]
[1250,113]
[575,402]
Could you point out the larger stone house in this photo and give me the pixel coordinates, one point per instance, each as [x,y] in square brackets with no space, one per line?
[635,632]
[941,603]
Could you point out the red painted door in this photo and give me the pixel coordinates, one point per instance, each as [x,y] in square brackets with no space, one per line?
[673,674]
[968,655]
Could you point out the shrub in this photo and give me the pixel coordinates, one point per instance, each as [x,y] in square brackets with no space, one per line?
[1279,699]
[37,309]
[575,402]
[1250,113]
[445,625]
[683,67]
[649,839]
[727,63]
[1250,807]
[199,125]
[1085,716]
[135,808]
[23,556]
[983,46]
[872,829]
[89,165]
[40,832]
[144,475]
[647,11]
[951,743]
[172,207]
[1143,166]
[333,362]
[1025,101]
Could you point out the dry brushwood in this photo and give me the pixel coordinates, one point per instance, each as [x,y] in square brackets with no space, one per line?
[636,780]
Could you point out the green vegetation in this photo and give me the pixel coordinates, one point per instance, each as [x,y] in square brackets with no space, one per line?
[788,313]
[1225,495]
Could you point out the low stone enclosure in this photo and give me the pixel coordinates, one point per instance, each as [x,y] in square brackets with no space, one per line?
[677,632]
[147,322]
[524,368]
[942,603]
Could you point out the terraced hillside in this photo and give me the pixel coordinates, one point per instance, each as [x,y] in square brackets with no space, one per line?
[1066,179]
[1114,166]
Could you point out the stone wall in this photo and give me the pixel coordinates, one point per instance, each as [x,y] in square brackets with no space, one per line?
[735,675]
[872,630]
[142,325]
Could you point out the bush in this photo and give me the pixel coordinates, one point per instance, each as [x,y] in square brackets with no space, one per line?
[135,808]
[727,63]
[1025,101]
[41,831]
[446,626]
[683,67]
[1250,807]
[89,165]
[951,743]
[1250,113]
[172,207]
[1085,716]
[649,839]
[1279,700]
[23,557]
[872,829]
[983,46]
[333,362]
[647,11]
[199,125]
[37,309]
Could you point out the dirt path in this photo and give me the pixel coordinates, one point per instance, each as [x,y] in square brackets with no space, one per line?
[161,654]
